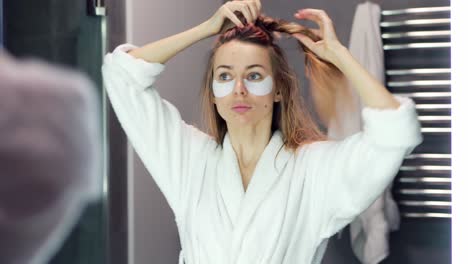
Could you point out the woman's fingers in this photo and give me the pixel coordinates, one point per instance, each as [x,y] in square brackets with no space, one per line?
[249,8]
[326,39]
[247,13]
[321,18]
[254,7]
[316,15]
[317,32]
[308,42]
[243,8]
[259,4]
[253,10]
[230,14]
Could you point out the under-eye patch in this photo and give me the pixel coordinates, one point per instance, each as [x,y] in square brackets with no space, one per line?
[264,87]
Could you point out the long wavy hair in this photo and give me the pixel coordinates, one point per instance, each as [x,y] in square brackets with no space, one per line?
[290,115]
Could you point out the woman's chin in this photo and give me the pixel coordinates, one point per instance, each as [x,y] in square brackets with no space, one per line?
[241,121]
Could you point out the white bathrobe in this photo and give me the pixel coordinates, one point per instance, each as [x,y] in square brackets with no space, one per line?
[292,204]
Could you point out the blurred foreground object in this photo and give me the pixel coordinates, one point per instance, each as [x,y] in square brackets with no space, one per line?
[50,156]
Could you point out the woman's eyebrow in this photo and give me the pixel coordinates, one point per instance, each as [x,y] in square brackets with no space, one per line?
[248,67]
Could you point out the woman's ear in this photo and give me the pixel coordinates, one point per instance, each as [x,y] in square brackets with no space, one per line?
[278,96]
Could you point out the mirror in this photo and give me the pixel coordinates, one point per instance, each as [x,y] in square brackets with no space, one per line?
[135,221]
[419,239]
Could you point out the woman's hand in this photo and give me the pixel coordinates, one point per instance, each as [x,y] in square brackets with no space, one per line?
[225,18]
[328,46]
[371,91]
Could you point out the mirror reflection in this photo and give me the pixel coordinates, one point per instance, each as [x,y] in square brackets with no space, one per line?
[248,131]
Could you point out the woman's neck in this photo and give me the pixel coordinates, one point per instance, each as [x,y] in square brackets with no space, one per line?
[249,143]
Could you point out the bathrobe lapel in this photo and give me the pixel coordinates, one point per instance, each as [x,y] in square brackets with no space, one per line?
[242,206]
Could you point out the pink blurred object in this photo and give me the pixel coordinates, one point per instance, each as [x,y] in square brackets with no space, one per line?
[50,161]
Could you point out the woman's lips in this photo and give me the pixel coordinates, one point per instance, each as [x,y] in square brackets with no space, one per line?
[241,109]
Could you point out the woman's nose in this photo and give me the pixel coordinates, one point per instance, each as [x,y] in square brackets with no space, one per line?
[240,88]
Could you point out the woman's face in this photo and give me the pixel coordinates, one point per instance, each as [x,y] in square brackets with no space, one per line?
[244,63]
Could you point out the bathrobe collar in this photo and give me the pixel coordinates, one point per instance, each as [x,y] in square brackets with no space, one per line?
[241,205]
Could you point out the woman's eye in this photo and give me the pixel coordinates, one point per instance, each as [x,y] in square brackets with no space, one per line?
[222,76]
[256,74]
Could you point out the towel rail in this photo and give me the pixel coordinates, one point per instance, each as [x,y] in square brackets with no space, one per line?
[422,37]
[441,192]
[416,22]
[434,118]
[427,215]
[426,168]
[437,130]
[419,71]
[425,180]
[420,83]
[431,45]
[427,94]
[429,156]
[418,34]
[427,203]
[417,10]
[433,106]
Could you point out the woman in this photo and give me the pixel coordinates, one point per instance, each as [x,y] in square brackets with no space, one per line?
[263,185]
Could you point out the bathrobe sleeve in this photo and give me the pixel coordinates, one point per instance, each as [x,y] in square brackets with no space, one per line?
[168,147]
[353,172]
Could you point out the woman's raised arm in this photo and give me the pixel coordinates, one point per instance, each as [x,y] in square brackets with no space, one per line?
[348,175]
[162,50]
[371,91]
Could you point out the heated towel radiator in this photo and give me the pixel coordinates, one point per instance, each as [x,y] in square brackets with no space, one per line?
[417,61]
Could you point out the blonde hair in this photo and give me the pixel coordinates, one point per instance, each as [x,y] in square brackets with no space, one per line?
[290,115]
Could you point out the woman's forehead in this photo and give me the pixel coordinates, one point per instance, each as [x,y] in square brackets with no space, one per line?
[237,55]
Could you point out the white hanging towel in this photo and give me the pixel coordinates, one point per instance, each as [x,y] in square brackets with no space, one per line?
[369,231]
